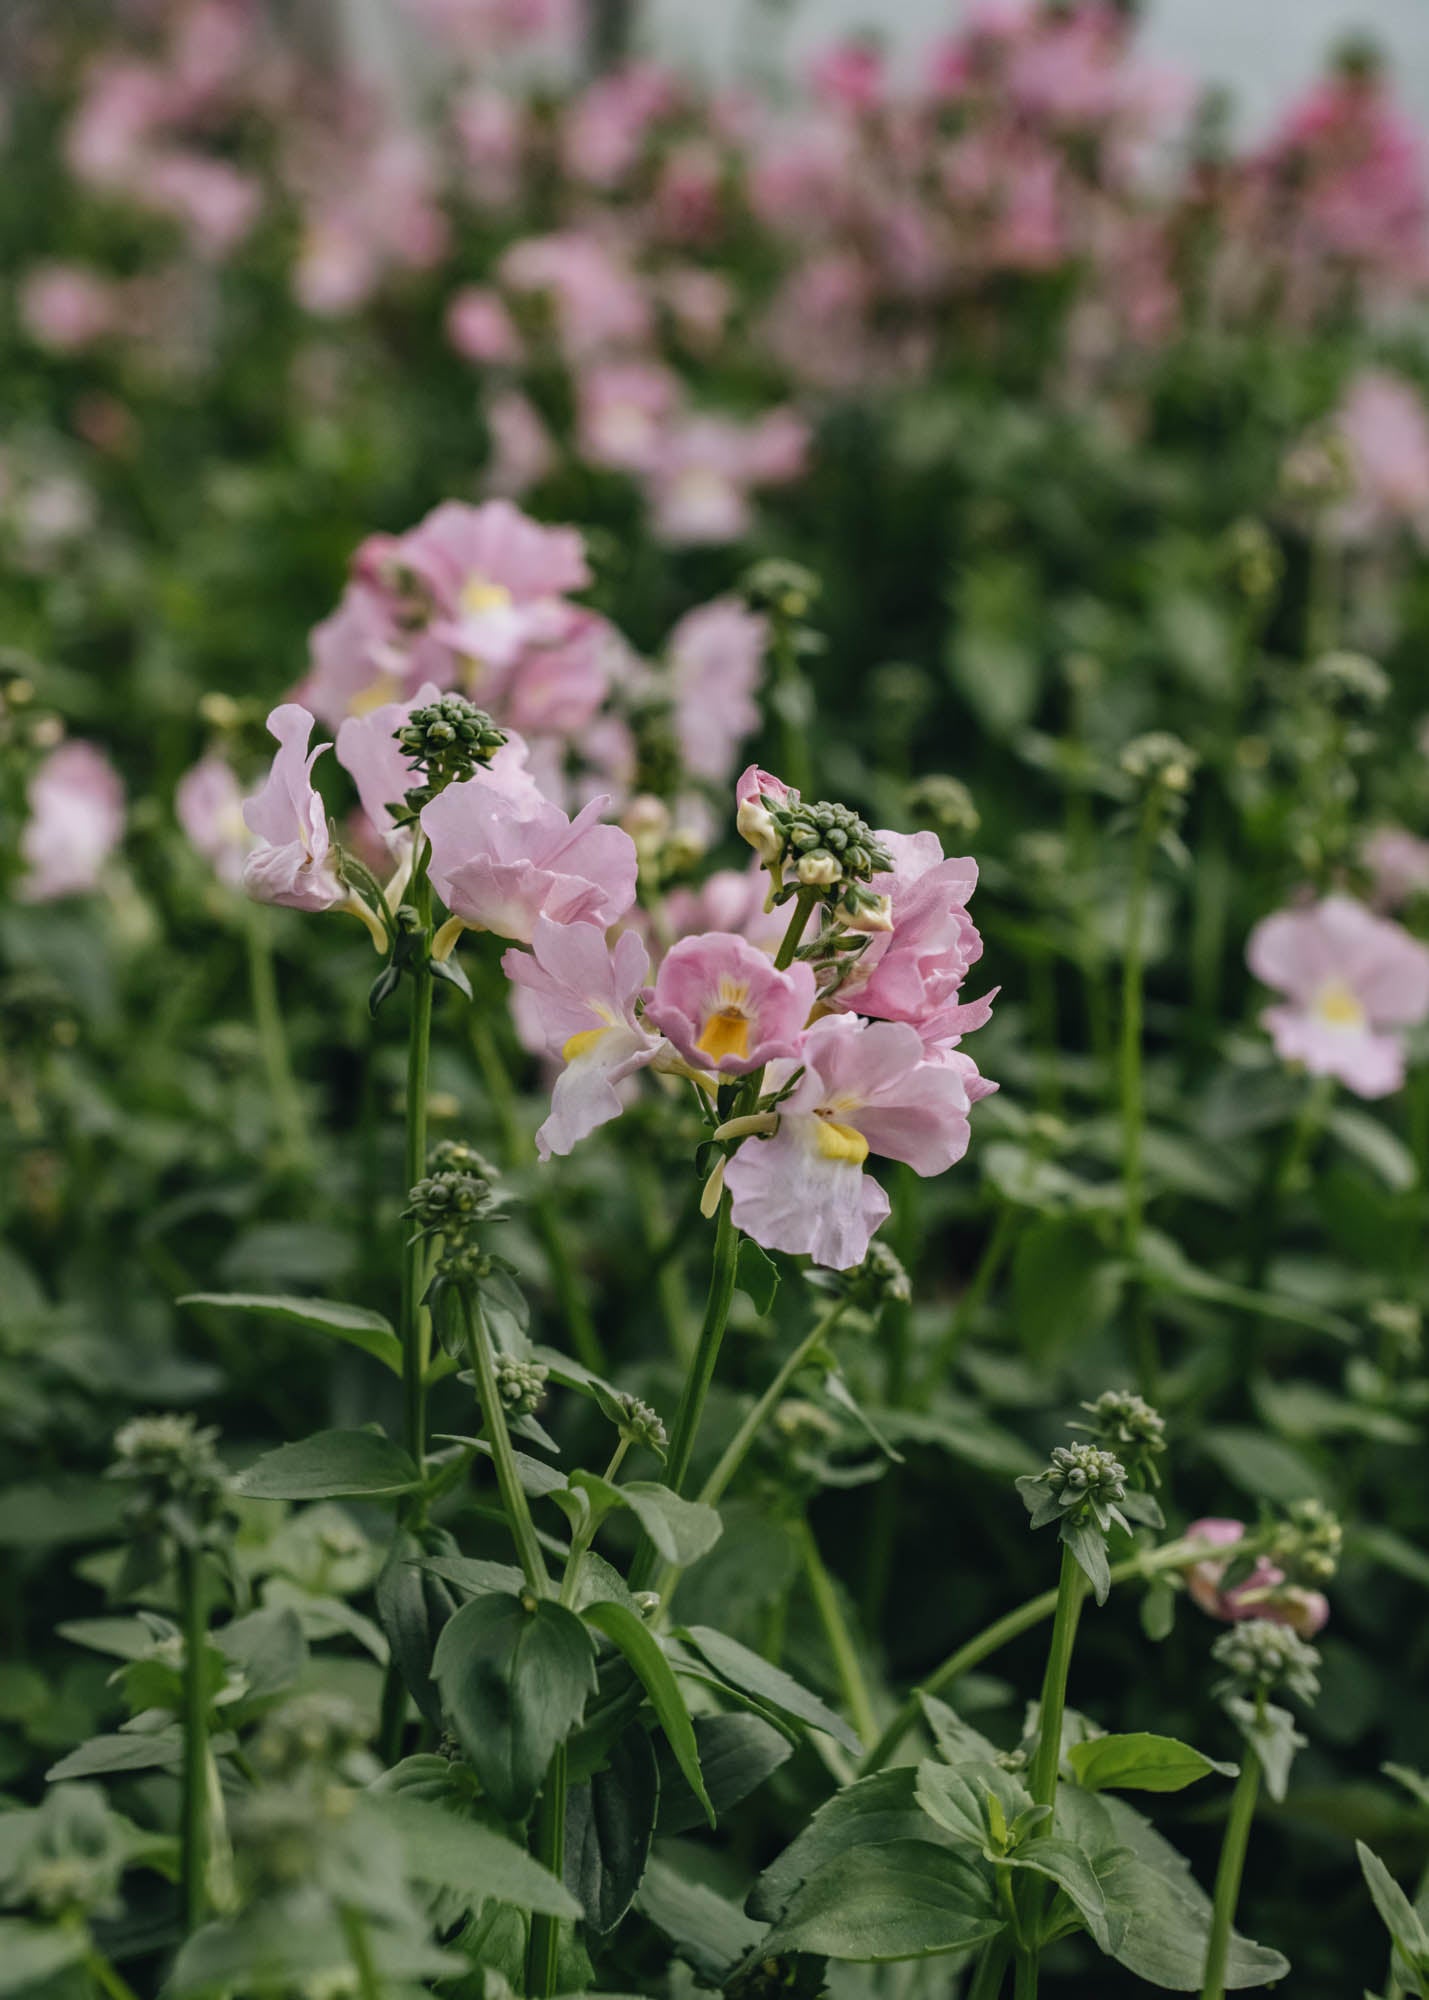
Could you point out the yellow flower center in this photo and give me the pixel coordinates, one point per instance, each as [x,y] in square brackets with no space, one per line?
[581,1044]
[726,1033]
[1338,1007]
[479,594]
[840,1142]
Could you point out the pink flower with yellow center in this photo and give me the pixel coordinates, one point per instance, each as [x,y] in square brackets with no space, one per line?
[725,1007]
[1264,1593]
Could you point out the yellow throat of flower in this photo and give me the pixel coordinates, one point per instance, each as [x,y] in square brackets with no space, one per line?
[1338,1007]
[581,1044]
[479,594]
[726,1033]
[840,1142]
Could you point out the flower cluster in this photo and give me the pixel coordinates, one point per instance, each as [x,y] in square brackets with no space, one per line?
[1262,1656]
[1257,1588]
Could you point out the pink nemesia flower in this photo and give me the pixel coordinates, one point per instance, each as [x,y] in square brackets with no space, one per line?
[76,819]
[1352,980]
[850,75]
[522,450]
[914,971]
[866,1088]
[368,750]
[725,1007]
[291,865]
[731,899]
[581,995]
[355,657]
[67,307]
[716,653]
[208,802]
[480,328]
[597,300]
[622,407]
[1262,1594]
[1399,863]
[754,792]
[500,864]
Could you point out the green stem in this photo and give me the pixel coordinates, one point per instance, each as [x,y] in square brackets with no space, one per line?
[1002,1631]
[701,1373]
[991,1969]
[1133,1112]
[106,1976]
[1024,1983]
[549,1848]
[738,1448]
[272,1038]
[847,1665]
[804,901]
[513,1497]
[1232,1864]
[1071,1588]
[985,1274]
[359,1950]
[582,1540]
[194,1808]
[416,1322]
[580,1324]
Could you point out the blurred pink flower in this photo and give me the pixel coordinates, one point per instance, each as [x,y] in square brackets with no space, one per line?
[580,994]
[865,1088]
[1398,862]
[1262,1594]
[76,820]
[724,1007]
[849,74]
[701,476]
[208,802]
[292,864]
[622,408]
[597,301]
[67,307]
[522,450]
[731,899]
[1353,982]
[501,865]
[215,202]
[1352,167]
[480,328]
[716,657]
[604,129]
[1384,424]
[489,125]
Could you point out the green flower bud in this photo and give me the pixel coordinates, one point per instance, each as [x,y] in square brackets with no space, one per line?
[785,589]
[1123,1422]
[450,1201]
[1159,761]
[944,803]
[448,740]
[1259,1657]
[1349,678]
[172,1457]
[639,1424]
[521,1385]
[1307,1543]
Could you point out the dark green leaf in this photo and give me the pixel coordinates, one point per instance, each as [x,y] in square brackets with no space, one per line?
[514,1681]
[756,1274]
[449,1852]
[642,1650]
[103,1755]
[711,1935]
[31,1954]
[955,1798]
[609,1826]
[1400,1917]
[1140,1763]
[413,1607]
[755,1676]
[1088,1544]
[907,1899]
[333,1465]
[869,1813]
[682,1530]
[737,1753]
[1074,1875]
[354,1324]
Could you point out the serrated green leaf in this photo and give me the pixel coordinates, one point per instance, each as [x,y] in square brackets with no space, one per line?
[681,1530]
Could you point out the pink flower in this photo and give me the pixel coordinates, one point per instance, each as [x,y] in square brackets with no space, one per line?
[67,307]
[291,865]
[581,994]
[480,328]
[522,453]
[731,899]
[725,1007]
[597,300]
[914,971]
[1399,863]
[1385,425]
[622,407]
[604,130]
[356,656]
[1352,982]
[700,479]
[754,793]
[216,203]
[489,127]
[76,819]
[368,751]
[716,654]
[866,1088]
[1264,1593]
[500,864]
[850,75]
[209,804]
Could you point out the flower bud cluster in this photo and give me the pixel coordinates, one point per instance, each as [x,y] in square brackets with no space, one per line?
[1125,1423]
[317,1728]
[1159,761]
[1082,1483]
[1351,680]
[784,589]
[72,1862]
[521,1384]
[943,802]
[826,847]
[447,740]
[448,1201]
[171,1459]
[638,1424]
[1307,1544]
[1260,1657]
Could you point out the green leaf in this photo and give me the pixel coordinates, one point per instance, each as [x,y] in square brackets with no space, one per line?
[41,1514]
[682,1530]
[265,1948]
[1401,1919]
[756,1274]
[1271,1733]
[354,1324]
[711,1935]
[514,1675]
[414,1605]
[737,1753]
[1069,1868]
[842,1397]
[955,1797]
[755,1676]
[473,1574]
[333,1465]
[102,1756]
[609,1826]
[869,1813]
[1265,1467]
[1166,1267]
[642,1651]
[908,1899]
[1141,1762]
[31,1954]
[267,1647]
[449,1852]
[1088,1545]
[1376,1146]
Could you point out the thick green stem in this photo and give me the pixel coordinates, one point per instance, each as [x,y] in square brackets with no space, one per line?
[416,1322]
[847,1664]
[1171,1555]
[1024,1984]
[991,1969]
[1232,1864]
[549,1848]
[359,1950]
[804,902]
[1045,1764]
[194,1805]
[513,1497]
[701,1373]
[1133,1110]
[580,1325]
[106,1976]
[272,1038]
